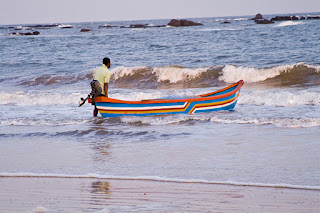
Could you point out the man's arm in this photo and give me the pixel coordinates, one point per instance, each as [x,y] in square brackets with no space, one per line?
[106,86]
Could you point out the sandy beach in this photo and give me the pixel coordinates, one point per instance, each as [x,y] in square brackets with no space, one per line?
[32,194]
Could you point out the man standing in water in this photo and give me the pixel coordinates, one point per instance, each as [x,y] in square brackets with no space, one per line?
[102,74]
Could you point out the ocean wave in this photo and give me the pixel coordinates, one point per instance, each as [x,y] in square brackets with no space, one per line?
[50,79]
[148,77]
[300,74]
[163,77]
[158,179]
[285,74]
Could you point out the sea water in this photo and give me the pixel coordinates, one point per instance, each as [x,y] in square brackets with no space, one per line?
[271,138]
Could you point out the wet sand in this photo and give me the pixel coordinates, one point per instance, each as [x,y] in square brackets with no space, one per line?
[32,194]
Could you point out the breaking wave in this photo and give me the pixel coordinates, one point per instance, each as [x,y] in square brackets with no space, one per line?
[289,23]
[299,74]
[48,79]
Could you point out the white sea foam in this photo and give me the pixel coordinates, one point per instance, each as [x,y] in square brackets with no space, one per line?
[176,74]
[38,209]
[41,98]
[159,179]
[241,19]
[279,122]
[317,68]
[23,28]
[172,74]
[156,94]
[231,74]
[225,119]
[64,26]
[279,98]
[161,120]
[289,23]
[40,122]
[120,72]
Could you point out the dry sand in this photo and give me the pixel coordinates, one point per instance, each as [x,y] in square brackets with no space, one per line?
[31,194]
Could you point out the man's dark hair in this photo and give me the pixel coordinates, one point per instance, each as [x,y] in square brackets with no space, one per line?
[106,61]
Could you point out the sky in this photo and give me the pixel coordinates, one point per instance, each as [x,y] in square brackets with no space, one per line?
[69,11]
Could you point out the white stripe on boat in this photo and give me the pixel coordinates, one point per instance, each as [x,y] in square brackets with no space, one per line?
[143,108]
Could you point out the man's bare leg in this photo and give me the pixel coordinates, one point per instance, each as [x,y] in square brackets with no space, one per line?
[95,111]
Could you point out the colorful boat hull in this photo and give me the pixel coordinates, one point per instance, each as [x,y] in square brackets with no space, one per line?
[224,99]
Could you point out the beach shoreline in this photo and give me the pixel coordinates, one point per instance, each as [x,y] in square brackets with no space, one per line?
[56,194]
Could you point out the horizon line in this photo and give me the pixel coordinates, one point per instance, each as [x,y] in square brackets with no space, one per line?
[127,20]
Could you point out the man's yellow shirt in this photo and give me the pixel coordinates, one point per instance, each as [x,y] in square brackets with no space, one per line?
[103,75]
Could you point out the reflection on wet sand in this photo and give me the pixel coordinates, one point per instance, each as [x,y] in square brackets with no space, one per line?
[101,187]
[52,194]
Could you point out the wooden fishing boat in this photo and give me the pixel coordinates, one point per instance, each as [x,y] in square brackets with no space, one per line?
[224,99]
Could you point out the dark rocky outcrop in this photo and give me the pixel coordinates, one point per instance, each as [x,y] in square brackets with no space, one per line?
[313,17]
[263,21]
[85,30]
[42,26]
[182,23]
[281,18]
[142,26]
[27,33]
[293,18]
[138,26]
[258,16]
[226,22]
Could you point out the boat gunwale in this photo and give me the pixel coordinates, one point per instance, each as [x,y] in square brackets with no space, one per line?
[155,101]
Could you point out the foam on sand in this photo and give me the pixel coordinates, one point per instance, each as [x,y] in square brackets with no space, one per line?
[155,178]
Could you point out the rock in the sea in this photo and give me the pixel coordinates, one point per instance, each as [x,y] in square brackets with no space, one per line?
[282,18]
[313,17]
[28,33]
[42,26]
[226,22]
[258,16]
[293,18]
[85,30]
[264,21]
[182,23]
[138,26]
